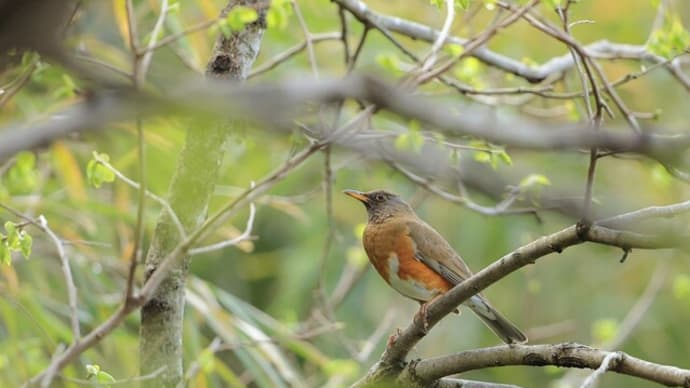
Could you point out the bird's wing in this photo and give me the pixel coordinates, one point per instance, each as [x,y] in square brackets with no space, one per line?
[434,251]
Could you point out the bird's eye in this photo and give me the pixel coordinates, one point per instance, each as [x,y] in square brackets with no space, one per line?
[380,197]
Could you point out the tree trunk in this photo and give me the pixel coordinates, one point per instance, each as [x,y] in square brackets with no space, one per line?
[189,193]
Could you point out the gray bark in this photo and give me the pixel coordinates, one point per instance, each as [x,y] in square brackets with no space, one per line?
[189,193]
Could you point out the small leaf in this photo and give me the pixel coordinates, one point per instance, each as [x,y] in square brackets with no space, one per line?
[97,173]
[104,377]
[278,14]
[535,179]
[25,160]
[482,157]
[505,158]
[240,16]
[25,245]
[463,4]
[92,370]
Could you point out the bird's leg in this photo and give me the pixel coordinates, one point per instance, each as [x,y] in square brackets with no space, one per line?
[422,313]
[393,337]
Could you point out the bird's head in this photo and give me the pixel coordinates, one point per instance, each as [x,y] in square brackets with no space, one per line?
[381,204]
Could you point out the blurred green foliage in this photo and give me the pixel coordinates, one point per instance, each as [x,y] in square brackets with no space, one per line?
[255,296]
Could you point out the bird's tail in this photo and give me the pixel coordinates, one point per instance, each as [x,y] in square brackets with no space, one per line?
[499,324]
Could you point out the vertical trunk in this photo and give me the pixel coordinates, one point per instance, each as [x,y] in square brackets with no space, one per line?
[189,193]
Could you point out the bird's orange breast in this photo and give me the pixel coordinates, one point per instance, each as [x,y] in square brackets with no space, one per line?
[391,251]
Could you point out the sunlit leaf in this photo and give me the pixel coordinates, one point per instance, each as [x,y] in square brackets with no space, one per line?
[25,244]
[240,16]
[535,179]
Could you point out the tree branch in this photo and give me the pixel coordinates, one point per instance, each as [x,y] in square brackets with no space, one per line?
[569,355]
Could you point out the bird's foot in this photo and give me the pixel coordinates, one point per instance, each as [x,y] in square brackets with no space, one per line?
[393,337]
[422,316]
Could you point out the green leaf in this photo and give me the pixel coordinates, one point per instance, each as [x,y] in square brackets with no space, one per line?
[92,370]
[104,378]
[463,4]
[239,17]
[482,157]
[25,161]
[671,39]
[278,14]
[96,172]
[604,330]
[25,244]
[553,3]
[535,180]
[22,177]
[11,229]
[505,158]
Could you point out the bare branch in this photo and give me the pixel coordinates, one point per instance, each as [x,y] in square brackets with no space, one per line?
[569,355]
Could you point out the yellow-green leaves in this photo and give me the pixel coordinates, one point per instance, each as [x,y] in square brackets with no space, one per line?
[490,154]
[102,377]
[469,71]
[534,180]
[96,172]
[278,14]
[22,176]
[15,239]
[670,40]
[236,19]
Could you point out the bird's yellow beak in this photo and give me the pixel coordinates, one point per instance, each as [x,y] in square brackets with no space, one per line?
[357,195]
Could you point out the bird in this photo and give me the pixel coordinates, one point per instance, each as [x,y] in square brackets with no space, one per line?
[415,260]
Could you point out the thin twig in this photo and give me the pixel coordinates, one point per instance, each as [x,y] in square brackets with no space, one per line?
[141,199]
[609,361]
[144,59]
[292,51]
[307,38]
[164,204]
[42,224]
[132,27]
[441,39]
[233,241]
[174,37]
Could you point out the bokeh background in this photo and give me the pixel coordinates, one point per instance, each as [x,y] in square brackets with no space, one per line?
[258,296]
